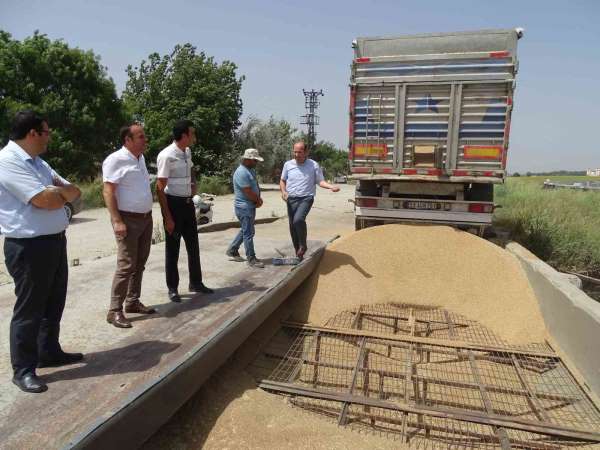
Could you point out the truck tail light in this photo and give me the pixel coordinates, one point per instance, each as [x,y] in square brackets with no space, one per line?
[367,202]
[480,208]
[503,54]
[363,60]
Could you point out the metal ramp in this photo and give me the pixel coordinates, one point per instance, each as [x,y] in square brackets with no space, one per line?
[432,379]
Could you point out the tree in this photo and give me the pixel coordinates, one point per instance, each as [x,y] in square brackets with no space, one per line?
[190,85]
[332,160]
[274,140]
[71,88]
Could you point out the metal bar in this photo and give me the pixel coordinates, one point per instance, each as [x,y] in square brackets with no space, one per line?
[456,119]
[356,320]
[451,330]
[451,128]
[407,380]
[432,67]
[483,437]
[433,380]
[532,399]
[366,387]
[445,413]
[359,363]
[374,318]
[411,322]
[306,352]
[500,432]
[316,365]
[422,340]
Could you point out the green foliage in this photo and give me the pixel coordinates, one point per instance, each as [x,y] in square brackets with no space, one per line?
[186,84]
[333,161]
[560,226]
[71,88]
[91,194]
[274,140]
[216,185]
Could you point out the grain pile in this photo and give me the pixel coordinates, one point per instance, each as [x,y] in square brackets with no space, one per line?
[435,265]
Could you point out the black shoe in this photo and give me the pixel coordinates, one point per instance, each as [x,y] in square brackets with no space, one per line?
[30,383]
[62,359]
[174,297]
[201,288]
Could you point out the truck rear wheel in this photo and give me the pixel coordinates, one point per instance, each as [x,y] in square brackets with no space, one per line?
[479,192]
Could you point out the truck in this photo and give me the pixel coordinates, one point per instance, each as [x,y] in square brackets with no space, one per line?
[429,126]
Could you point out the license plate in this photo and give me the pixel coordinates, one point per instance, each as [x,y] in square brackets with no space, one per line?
[427,205]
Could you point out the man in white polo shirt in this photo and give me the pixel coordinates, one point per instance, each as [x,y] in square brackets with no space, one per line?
[298,180]
[128,199]
[175,186]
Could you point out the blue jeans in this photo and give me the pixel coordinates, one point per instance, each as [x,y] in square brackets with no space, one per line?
[298,208]
[246,216]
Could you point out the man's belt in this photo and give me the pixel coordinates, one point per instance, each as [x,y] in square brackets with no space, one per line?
[136,214]
[176,198]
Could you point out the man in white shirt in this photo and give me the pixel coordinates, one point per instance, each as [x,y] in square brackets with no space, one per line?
[33,222]
[128,199]
[299,179]
[175,186]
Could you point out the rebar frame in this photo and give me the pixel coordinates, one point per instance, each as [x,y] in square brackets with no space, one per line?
[433,379]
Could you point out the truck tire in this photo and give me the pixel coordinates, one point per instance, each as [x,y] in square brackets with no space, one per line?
[480,192]
[367,188]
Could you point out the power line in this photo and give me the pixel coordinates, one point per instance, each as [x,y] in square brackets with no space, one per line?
[311,103]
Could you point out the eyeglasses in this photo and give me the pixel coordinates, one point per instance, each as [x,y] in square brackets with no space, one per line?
[48,131]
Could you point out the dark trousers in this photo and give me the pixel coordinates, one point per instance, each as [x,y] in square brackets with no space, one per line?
[39,269]
[298,208]
[184,216]
[132,253]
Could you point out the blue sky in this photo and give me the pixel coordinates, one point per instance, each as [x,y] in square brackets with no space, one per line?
[282,47]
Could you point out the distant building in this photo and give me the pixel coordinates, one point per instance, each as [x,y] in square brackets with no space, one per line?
[593,172]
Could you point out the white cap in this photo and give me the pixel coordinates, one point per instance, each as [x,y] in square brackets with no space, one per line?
[252,153]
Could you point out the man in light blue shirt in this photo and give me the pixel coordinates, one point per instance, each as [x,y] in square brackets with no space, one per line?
[247,199]
[33,219]
[299,179]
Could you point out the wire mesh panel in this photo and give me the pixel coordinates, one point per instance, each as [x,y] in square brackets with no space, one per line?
[432,378]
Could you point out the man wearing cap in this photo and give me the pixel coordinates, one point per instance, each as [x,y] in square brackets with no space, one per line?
[247,199]
[299,179]
[175,186]
[128,199]
[33,221]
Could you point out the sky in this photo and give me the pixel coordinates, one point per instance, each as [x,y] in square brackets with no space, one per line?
[282,47]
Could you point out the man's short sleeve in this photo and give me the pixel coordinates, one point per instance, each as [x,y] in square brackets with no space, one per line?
[111,172]
[20,180]
[284,172]
[162,166]
[318,174]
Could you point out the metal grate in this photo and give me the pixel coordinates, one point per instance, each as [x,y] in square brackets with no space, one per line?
[431,378]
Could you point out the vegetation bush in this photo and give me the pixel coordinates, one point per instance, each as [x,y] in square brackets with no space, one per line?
[560,226]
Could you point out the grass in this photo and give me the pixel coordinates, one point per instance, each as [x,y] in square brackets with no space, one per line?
[214,185]
[91,194]
[560,226]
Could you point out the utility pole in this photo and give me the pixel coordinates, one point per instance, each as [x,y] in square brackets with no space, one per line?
[310,119]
